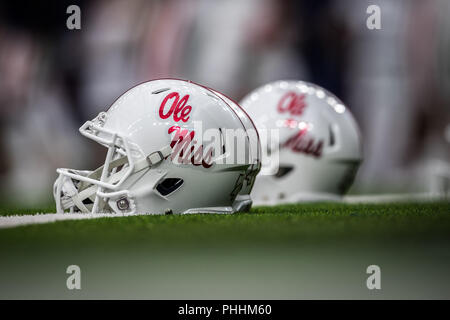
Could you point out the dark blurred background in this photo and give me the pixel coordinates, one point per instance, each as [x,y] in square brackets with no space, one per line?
[395,80]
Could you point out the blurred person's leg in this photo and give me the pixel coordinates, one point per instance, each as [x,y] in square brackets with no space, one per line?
[270,45]
[324,43]
[110,34]
[436,105]
[236,45]
[379,94]
[165,40]
[215,50]
[16,68]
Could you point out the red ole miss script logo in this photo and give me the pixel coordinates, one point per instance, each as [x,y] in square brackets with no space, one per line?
[185,151]
[178,109]
[183,145]
[293,103]
[303,143]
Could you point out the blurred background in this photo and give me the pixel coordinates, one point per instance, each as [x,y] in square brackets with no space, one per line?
[396,80]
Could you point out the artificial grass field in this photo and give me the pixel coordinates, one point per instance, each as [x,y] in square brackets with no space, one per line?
[290,251]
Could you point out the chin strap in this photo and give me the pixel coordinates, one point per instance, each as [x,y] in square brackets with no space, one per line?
[156,157]
[74,196]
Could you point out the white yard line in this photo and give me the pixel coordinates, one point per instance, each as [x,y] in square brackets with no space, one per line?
[399,197]
[20,220]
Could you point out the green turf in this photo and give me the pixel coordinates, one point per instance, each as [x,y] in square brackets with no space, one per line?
[289,252]
[287,224]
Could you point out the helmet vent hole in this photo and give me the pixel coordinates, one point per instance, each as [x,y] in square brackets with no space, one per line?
[283,170]
[212,96]
[222,141]
[332,136]
[169,185]
[160,90]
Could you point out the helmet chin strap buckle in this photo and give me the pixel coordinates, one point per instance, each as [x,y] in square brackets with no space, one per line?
[156,157]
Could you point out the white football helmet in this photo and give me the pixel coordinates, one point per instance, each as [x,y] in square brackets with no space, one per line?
[319,146]
[160,159]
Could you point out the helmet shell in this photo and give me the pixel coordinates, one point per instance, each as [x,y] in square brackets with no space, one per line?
[319,145]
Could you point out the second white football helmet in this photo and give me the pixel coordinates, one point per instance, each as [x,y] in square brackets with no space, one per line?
[319,145]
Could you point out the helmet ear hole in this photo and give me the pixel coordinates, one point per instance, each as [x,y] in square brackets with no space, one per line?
[169,185]
[283,170]
[332,136]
